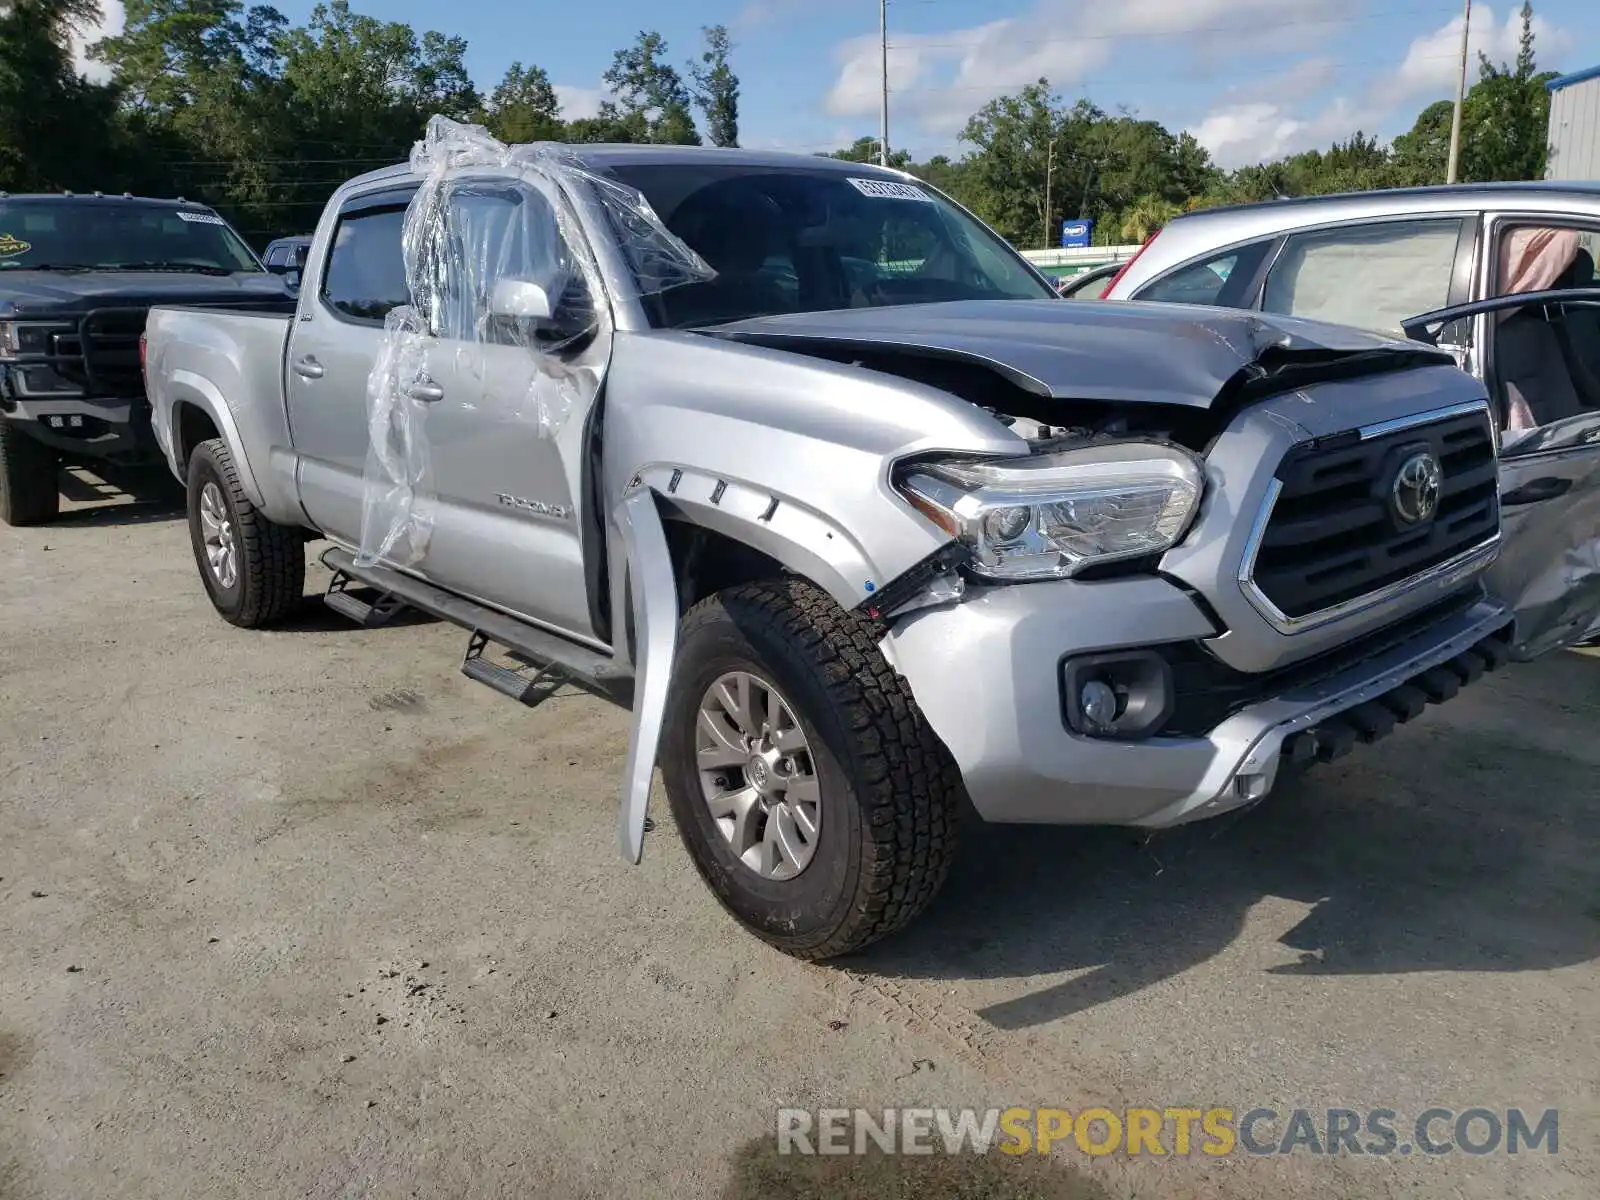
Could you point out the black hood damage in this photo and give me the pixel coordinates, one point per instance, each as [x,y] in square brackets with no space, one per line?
[1162,354]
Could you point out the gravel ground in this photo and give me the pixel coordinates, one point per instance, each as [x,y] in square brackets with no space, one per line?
[308,913]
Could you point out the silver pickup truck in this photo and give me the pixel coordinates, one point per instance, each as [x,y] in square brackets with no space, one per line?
[808,467]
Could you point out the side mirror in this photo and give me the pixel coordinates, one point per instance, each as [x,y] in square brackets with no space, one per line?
[278,268]
[521,300]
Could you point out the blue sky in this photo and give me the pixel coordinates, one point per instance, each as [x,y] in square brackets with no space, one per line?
[1250,78]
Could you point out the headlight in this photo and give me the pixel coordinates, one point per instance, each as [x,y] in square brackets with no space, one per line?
[1053,515]
[18,338]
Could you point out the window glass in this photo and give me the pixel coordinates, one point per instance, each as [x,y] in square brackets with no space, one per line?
[1207,282]
[499,231]
[1368,276]
[803,240]
[366,275]
[97,234]
[1546,358]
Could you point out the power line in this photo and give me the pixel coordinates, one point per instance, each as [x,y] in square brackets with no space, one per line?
[1103,82]
[1138,35]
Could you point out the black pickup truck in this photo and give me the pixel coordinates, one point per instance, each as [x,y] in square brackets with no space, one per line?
[78,273]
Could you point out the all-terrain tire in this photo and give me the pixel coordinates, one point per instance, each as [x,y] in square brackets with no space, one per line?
[29,494]
[269,576]
[891,797]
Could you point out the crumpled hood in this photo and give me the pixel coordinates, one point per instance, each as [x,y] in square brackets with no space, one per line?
[1091,350]
[45,293]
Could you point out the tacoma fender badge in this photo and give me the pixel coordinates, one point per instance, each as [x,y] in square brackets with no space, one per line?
[559,511]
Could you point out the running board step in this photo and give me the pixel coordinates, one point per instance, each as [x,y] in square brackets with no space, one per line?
[526,683]
[580,665]
[382,608]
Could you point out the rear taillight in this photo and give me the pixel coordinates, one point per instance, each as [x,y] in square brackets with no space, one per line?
[141,351]
[1123,270]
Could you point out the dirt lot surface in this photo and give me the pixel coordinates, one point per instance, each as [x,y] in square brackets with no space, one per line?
[307,913]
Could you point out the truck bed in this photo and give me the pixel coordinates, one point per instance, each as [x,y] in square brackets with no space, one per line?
[228,364]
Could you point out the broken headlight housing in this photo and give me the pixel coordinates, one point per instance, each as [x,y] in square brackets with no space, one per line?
[1052,516]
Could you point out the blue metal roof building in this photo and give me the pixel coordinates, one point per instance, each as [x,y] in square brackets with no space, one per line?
[1575,126]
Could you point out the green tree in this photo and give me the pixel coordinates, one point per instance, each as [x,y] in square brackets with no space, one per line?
[1505,122]
[646,85]
[1422,154]
[865,150]
[523,107]
[611,124]
[56,130]
[716,88]
[1012,136]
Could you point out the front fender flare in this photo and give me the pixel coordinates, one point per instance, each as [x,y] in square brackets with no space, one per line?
[798,537]
[653,593]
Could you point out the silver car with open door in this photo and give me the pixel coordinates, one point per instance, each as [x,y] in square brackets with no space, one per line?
[1503,275]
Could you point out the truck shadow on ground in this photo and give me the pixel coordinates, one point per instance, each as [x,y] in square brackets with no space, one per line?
[759,1172]
[1452,846]
[120,496]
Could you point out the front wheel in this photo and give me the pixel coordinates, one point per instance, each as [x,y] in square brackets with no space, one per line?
[29,494]
[253,569]
[809,790]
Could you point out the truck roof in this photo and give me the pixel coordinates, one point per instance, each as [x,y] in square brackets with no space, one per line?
[102,198]
[598,156]
[1412,199]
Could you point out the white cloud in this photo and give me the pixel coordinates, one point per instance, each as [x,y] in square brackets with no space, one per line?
[1256,132]
[1262,126]
[1433,61]
[942,78]
[112,19]
[579,102]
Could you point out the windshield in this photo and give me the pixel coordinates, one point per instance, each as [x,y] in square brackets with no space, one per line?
[789,240]
[100,235]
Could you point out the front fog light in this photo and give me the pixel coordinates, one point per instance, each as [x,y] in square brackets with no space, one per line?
[1122,695]
[1098,700]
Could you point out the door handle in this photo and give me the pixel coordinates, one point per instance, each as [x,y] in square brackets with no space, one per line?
[424,389]
[308,367]
[1537,490]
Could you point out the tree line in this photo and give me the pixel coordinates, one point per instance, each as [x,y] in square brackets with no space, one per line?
[229,103]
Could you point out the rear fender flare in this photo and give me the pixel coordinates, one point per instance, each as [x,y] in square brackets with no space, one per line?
[188,387]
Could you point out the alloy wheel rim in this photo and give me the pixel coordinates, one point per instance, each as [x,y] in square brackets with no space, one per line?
[216,531]
[757,775]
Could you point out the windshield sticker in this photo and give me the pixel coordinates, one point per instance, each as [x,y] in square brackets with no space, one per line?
[201,218]
[11,246]
[885,189]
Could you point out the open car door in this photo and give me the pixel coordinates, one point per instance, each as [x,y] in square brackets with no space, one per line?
[1549,566]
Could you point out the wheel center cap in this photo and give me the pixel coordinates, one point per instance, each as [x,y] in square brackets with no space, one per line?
[758,773]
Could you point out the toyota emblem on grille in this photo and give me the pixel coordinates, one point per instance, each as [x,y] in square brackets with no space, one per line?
[1415,492]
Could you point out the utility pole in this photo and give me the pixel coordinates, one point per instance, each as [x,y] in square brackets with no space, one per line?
[1049,173]
[1461,95]
[883,36]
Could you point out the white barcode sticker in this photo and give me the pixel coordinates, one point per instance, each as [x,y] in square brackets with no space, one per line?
[195,218]
[888,189]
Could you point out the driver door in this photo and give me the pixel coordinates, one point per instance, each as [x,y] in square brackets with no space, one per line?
[508,397]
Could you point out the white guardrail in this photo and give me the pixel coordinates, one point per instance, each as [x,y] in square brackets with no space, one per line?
[1076,259]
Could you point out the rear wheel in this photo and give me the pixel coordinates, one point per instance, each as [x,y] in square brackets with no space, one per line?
[812,795]
[253,569]
[28,491]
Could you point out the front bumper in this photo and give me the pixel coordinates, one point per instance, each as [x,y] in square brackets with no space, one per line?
[987,674]
[101,428]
